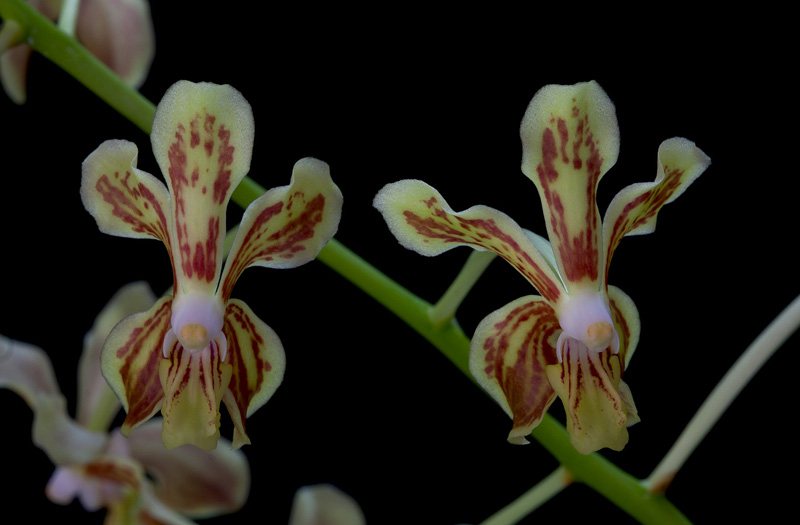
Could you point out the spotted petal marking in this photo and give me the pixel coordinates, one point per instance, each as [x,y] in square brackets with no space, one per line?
[588,384]
[130,362]
[422,221]
[288,225]
[193,383]
[258,363]
[123,199]
[508,357]
[202,139]
[634,209]
[570,139]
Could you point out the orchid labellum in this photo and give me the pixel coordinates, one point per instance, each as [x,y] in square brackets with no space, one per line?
[575,339]
[199,347]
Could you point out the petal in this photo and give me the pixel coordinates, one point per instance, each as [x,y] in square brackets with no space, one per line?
[626,323]
[324,504]
[26,370]
[192,481]
[14,72]
[570,138]
[633,210]
[124,200]
[287,226]
[422,221]
[97,403]
[202,139]
[193,383]
[65,441]
[130,362]
[119,33]
[588,384]
[258,361]
[508,355]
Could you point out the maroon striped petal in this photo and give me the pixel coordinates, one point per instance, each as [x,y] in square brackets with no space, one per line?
[508,357]
[626,323]
[258,362]
[288,225]
[124,200]
[130,362]
[422,221]
[634,209]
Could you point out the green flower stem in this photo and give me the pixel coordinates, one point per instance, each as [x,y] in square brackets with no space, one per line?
[445,308]
[534,498]
[772,338]
[594,470]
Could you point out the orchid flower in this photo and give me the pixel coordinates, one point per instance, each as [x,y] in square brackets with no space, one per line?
[118,32]
[192,351]
[575,339]
[137,480]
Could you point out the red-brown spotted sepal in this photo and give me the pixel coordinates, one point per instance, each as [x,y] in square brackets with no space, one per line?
[130,362]
[202,139]
[509,354]
[123,199]
[422,221]
[570,139]
[634,210]
[257,361]
[288,225]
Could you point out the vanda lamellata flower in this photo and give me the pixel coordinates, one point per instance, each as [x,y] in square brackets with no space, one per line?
[575,339]
[199,347]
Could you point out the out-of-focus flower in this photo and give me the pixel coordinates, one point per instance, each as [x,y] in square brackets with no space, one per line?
[137,480]
[118,32]
[325,505]
[576,339]
[214,348]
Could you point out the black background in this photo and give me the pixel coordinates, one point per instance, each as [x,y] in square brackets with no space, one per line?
[366,403]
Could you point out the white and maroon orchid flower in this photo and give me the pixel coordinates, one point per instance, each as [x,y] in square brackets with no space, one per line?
[136,479]
[193,350]
[574,340]
[118,32]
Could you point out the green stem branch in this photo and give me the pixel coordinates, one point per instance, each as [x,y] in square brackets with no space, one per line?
[445,308]
[750,362]
[534,498]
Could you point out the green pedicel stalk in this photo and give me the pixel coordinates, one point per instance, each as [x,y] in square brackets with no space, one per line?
[594,470]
